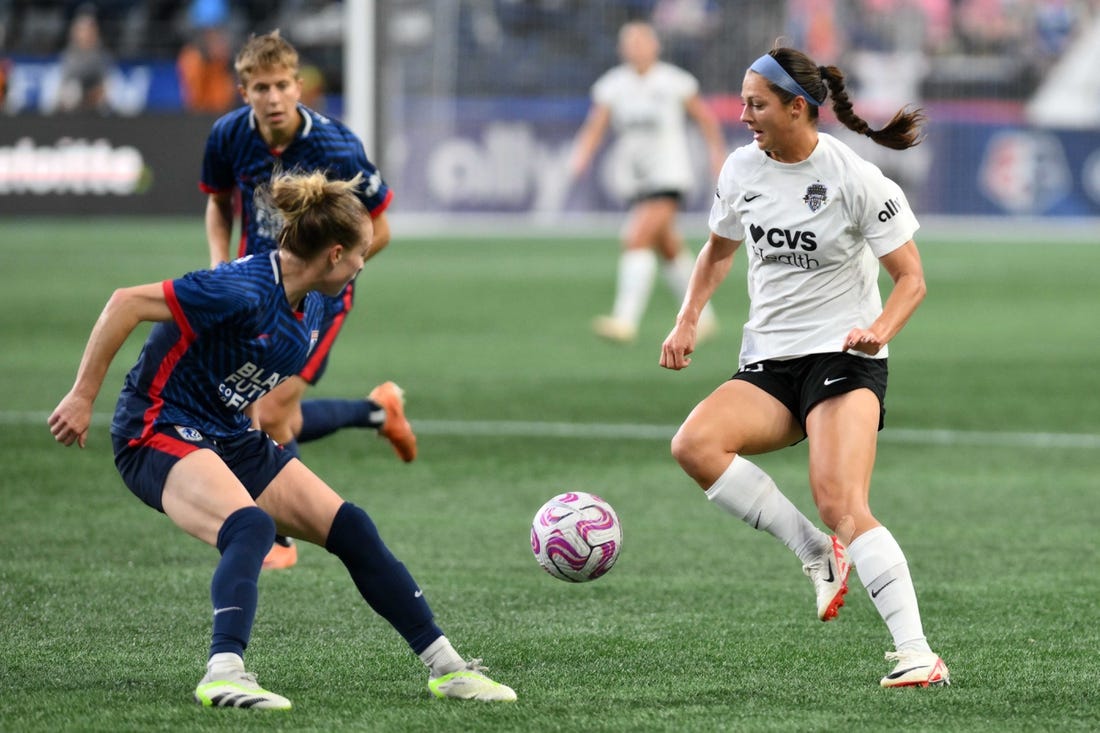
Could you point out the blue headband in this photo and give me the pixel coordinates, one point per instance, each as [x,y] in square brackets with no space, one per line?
[770,69]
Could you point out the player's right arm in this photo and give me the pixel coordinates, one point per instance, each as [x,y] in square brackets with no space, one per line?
[711,268]
[126,308]
[219,225]
[589,138]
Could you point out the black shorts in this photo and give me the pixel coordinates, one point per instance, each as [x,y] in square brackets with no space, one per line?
[802,382]
[677,196]
[254,458]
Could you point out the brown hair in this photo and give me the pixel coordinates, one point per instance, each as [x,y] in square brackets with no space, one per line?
[269,51]
[901,132]
[317,212]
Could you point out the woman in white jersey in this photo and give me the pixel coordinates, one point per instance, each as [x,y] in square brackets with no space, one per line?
[645,100]
[816,221]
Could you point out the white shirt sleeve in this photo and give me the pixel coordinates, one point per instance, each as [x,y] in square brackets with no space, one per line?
[724,220]
[882,212]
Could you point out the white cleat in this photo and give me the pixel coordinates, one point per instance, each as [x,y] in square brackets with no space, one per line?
[916,669]
[829,573]
[470,684]
[614,329]
[236,689]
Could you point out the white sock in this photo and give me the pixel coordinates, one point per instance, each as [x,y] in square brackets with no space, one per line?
[677,274]
[225,662]
[441,658]
[637,268]
[749,494]
[884,572]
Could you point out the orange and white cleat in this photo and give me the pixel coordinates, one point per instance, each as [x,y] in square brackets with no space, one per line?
[916,669]
[829,573]
[282,555]
[396,427]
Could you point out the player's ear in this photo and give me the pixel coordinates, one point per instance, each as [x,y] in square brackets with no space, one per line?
[243,92]
[335,254]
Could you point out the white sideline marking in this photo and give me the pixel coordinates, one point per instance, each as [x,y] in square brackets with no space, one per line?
[627,431]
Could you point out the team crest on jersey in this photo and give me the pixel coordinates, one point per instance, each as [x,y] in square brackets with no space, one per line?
[815,196]
[189,434]
[314,335]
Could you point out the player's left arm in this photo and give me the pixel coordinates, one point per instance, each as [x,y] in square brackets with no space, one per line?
[381,236]
[905,269]
[698,109]
[126,308]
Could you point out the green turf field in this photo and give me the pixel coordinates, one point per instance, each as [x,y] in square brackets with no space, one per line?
[988,475]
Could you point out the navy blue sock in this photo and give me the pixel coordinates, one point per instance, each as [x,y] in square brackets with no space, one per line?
[381,578]
[243,540]
[324,417]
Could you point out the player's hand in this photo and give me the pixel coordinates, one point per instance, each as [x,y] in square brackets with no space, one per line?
[70,420]
[863,340]
[677,346]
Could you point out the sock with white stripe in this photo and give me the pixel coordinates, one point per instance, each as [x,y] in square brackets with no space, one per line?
[324,417]
[749,494]
[884,572]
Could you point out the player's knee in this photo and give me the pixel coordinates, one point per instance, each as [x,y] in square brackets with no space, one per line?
[690,449]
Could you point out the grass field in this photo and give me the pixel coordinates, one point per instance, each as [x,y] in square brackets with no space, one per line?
[988,475]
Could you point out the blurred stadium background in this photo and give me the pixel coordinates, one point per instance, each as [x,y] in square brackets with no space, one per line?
[469,106]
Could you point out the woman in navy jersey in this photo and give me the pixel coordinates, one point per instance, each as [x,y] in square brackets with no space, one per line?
[817,222]
[222,339]
[274,132]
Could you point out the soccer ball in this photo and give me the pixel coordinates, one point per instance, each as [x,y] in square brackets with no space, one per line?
[576,537]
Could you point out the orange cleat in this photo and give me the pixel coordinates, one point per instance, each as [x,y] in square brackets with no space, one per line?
[282,555]
[396,428]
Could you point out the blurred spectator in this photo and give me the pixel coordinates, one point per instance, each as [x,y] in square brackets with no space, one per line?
[313,87]
[205,68]
[85,65]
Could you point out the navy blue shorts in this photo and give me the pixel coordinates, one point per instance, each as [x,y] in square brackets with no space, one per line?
[254,458]
[803,382]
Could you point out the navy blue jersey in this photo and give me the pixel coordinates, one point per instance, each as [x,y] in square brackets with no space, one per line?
[232,339]
[237,156]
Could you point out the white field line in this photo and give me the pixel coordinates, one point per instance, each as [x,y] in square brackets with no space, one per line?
[628,431]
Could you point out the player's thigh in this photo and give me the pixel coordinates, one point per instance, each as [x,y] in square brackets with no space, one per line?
[649,219]
[843,438]
[200,491]
[738,417]
[302,505]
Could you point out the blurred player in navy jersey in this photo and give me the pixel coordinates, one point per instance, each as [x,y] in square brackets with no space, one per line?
[221,339]
[246,147]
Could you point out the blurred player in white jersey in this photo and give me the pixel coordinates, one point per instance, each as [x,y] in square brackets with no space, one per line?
[816,221]
[647,102]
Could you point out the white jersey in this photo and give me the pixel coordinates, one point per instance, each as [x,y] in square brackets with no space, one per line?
[813,232]
[649,117]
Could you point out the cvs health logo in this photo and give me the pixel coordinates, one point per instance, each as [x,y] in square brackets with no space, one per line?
[787,247]
[778,238]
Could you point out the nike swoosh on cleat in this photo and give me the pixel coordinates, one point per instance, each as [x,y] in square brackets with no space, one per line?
[901,673]
[874,593]
[831,577]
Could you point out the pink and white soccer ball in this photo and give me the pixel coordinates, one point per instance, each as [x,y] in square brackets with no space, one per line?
[576,537]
